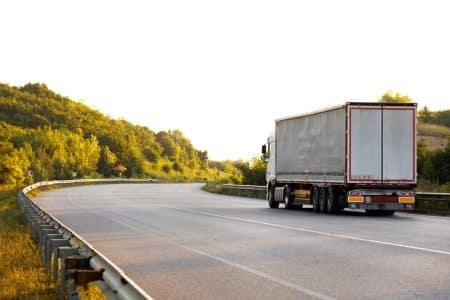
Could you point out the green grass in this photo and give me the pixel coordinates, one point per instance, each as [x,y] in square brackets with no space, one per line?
[432,129]
[22,274]
[430,187]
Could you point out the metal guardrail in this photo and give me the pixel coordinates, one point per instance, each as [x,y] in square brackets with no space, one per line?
[433,202]
[68,257]
[425,202]
[433,196]
[245,187]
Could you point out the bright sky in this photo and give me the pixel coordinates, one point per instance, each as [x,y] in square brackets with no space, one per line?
[222,71]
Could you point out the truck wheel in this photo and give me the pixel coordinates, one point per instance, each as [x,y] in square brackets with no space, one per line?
[332,201]
[323,199]
[315,199]
[271,198]
[287,197]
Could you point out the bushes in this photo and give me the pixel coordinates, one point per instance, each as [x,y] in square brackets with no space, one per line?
[433,165]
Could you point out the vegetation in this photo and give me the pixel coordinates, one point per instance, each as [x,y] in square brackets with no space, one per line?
[392,97]
[22,275]
[433,167]
[433,129]
[52,137]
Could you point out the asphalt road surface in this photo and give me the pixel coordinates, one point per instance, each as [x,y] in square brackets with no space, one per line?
[179,242]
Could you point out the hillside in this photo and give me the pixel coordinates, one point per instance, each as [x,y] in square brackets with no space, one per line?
[57,138]
[434,123]
[429,129]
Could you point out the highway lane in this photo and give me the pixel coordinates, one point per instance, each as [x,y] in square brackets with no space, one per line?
[178,242]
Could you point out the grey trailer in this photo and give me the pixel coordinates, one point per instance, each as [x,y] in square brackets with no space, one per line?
[358,155]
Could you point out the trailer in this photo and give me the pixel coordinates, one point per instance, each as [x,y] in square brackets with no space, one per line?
[360,155]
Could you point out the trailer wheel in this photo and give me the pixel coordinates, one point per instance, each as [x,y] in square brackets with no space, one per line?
[315,199]
[287,197]
[323,199]
[271,198]
[332,201]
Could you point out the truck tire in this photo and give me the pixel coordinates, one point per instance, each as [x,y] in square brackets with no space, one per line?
[323,199]
[315,199]
[287,197]
[332,201]
[271,197]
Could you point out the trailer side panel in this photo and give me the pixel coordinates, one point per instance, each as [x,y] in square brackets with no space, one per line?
[312,147]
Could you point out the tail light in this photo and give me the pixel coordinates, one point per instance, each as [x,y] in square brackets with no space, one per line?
[355,197]
[355,193]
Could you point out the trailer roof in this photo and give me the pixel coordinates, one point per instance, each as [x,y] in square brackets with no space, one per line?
[344,105]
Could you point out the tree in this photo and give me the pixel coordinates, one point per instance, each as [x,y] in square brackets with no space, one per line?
[152,153]
[107,162]
[253,171]
[391,97]
[425,115]
[13,164]
[170,149]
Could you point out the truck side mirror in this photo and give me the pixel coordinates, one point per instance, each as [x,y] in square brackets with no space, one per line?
[264,149]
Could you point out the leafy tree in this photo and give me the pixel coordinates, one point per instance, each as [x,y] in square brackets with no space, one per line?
[253,171]
[153,153]
[177,167]
[13,163]
[170,149]
[392,97]
[442,117]
[203,159]
[425,115]
[107,161]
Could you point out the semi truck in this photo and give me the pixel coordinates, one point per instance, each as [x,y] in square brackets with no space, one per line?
[359,155]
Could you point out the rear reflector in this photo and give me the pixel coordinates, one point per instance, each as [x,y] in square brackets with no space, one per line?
[406,199]
[356,199]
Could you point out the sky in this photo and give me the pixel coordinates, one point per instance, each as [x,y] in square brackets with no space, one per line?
[223,71]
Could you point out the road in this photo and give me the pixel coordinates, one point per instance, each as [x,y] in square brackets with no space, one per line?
[179,242]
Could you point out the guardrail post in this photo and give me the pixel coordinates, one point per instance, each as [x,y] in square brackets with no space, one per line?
[48,250]
[73,294]
[44,230]
[55,245]
[72,263]
[42,236]
[63,253]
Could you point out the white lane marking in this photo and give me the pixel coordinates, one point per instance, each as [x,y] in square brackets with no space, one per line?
[261,274]
[236,265]
[317,232]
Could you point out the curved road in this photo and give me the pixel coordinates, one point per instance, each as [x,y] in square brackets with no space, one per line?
[178,242]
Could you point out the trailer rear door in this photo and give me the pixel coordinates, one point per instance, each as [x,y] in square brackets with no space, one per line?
[381,144]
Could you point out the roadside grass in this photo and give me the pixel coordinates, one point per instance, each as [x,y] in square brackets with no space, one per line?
[22,274]
[430,187]
[432,129]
